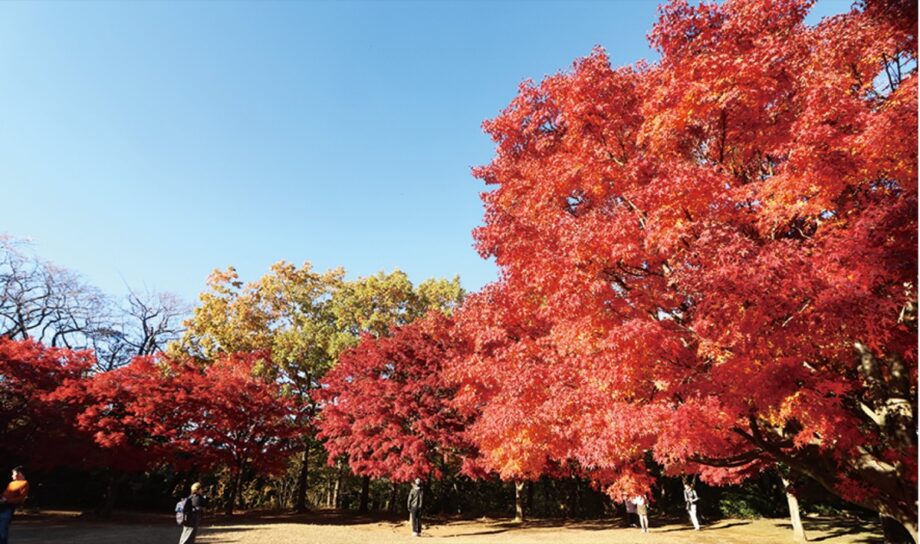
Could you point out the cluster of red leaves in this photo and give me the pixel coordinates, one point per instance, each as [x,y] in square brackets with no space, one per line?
[386,408]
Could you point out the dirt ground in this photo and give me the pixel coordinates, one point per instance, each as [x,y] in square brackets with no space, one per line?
[331,528]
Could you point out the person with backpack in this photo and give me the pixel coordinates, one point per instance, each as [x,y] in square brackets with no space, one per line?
[691,498]
[189,512]
[415,507]
[14,495]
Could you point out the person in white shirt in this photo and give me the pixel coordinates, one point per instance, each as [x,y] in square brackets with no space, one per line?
[642,510]
[691,498]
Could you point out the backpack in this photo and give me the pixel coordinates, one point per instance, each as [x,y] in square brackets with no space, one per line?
[184,511]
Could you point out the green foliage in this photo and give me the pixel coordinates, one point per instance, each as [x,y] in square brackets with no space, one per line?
[759,497]
[374,304]
[826,509]
[741,505]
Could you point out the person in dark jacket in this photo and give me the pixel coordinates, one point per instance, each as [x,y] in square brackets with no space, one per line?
[415,507]
[195,509]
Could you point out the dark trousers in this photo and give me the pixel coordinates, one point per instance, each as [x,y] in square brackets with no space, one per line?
[415,516]
[6,516]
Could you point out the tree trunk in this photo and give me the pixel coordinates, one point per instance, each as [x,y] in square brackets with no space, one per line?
[394,495]
[456,488]
[108,501]
[911,527]
[300,500]
[365,494]
[335,490]
[798,531]
[579,509]
[897,531]
[893,496]
[530,492]
[239,490]
[230,495]
[519,501]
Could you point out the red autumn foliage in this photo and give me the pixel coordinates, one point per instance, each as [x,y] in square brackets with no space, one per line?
[386,408]
[158,410]
[131,413]
[541,408]
[236,416]
[506,370]
[718,249]
[34,428]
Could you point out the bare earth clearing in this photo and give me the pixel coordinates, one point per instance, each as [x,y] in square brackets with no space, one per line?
[330,528]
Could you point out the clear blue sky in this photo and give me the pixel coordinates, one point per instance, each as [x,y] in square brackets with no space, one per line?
[146,143]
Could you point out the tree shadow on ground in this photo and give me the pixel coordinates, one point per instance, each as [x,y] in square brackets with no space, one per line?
[317,517]
[557,523]
[498,526]
[219,535]
[683,524]
[837,527]
[477,533]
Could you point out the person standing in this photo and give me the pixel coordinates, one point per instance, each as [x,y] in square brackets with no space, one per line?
[416,497]
[691,498]
[631,512]
[194,508]
[14,495]
[642,511]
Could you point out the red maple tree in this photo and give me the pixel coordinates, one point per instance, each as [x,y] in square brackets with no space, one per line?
[34,427]
[723,245]
[386,408]
[236,416]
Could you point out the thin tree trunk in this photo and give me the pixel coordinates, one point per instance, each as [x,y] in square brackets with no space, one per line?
[579,499]
[394,495]
[365,494]
[798,531]
[300,501]
[519,501]
[108,501]
[335,490]
[239,490]
[456,489]
[530,491]
[230,495]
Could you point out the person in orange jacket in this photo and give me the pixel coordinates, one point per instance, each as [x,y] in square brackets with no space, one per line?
[14,495]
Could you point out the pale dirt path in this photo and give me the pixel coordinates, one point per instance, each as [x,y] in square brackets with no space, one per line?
[59,529]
